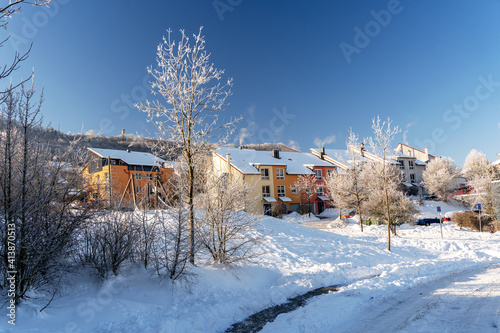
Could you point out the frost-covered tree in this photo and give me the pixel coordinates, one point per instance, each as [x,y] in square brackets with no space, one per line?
[341,190]
[480,172]
[37,224]
[375,206]
[306,187]
[347,187]
[440,177]
[381,142]
[194,96]
[224,227]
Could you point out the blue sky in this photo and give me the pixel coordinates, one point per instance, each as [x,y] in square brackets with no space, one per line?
[304,71]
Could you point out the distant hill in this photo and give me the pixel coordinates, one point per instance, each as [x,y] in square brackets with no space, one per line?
[60,142]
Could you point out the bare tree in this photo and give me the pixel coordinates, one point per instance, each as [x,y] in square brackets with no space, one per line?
[38,225]
[306,187]
[440,177]
[6,11]
[194,95]
[384,134]
[480,172]
[224,228]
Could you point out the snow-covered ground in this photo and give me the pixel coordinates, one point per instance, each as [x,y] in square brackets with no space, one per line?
[295,259]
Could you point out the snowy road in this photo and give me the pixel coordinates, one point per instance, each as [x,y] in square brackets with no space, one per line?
[467,302]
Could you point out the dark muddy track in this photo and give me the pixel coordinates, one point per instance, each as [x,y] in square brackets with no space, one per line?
[257,321]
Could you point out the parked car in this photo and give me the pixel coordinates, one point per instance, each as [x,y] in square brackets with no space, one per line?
[427,221]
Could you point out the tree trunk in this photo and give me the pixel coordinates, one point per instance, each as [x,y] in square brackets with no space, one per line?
[358,200]
[387,207]
[191,209]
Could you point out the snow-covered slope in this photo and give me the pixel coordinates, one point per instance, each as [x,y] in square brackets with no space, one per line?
[294,259]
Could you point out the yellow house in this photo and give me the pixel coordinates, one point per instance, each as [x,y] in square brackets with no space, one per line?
[125,178]
[273,175]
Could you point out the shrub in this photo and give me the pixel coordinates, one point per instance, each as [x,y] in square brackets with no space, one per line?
[470,219]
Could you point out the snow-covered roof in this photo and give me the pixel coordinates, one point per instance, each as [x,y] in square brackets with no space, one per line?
[247,161]
[131,158]
[339,157]
[402,144]
[398,155]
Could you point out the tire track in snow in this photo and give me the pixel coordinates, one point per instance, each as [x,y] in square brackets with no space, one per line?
[465,302]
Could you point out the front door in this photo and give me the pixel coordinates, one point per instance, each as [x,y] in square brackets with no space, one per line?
[321,207]
[267,209]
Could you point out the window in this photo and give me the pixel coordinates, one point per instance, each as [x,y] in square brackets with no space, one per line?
[264,173]
[139,189]
[319,174]
[149,176]
[138,176]
[410,164]
[281,191]
[280,174]
[320,190]
[266,191]
[95,195]
[331,173]
[402,165]
[412,177]
[150,189]
[294,189]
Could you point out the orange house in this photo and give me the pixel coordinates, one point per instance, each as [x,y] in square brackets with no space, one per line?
[125,178]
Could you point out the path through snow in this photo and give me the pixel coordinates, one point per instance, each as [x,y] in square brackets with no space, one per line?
[465,302]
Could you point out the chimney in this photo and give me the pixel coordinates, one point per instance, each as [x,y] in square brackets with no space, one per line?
[276,153]
[322,153]
[123,131]
[426,153]
[228,162]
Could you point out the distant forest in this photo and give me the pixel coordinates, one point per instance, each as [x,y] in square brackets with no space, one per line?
[59,142]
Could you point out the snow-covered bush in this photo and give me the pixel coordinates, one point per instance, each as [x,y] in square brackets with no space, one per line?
[109,243]
[223,227]
[170,247]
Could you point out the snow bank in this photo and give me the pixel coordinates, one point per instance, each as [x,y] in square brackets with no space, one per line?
[294,259]
[295,217]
